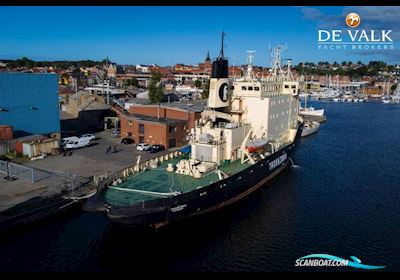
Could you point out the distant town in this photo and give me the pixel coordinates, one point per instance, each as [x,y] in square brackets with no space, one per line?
[188,80]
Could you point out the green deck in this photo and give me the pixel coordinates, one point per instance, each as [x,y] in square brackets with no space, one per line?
[159,180]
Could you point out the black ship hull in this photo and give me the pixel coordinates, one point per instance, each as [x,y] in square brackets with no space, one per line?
[158,212]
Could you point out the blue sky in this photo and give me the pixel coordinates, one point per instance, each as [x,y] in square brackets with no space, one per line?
[169,35]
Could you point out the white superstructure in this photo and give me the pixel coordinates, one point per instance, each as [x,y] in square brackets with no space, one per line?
[245,119]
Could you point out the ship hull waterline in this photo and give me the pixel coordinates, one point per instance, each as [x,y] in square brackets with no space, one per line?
[159,212]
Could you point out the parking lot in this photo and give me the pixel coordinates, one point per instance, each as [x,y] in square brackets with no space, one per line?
[94,160]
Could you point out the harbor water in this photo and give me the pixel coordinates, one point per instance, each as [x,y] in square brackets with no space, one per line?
[340,198]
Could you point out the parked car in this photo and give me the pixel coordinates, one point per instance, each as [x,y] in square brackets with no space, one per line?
[4,158]
[88,136]
[81,142]
[143,147]
[66,140]
[155,149]
[127,141]
[116,133]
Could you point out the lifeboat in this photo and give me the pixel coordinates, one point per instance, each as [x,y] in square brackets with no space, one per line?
[256,145]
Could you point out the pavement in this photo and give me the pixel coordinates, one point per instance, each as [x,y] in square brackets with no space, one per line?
[17,191]
[84,162]
[93,160]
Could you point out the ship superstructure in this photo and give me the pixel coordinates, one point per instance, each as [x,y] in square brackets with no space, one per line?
[246,119]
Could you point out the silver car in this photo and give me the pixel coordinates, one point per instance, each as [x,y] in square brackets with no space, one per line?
[143,147]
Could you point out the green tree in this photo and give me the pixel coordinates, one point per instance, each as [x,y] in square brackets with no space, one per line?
[135,82]
[159,94]
[206,89]
[197,83]
[156,93]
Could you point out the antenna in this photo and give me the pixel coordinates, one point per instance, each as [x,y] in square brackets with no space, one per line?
[250,57]
[221,53]
[249,72]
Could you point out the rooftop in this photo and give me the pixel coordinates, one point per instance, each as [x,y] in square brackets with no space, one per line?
[155,119]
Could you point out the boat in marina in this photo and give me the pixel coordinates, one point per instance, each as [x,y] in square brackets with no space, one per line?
[245,137]
[310,111]
[310,127]
[386,97]
[396,94]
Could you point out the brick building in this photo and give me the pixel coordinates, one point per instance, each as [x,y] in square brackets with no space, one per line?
[167,124]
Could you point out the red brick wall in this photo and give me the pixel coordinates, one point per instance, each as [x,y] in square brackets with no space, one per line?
[170,113]
[154,133]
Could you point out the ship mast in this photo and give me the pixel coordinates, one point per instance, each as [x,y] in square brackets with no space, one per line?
[249,72]
[276,70]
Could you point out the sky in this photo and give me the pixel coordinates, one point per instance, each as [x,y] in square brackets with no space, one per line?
[170,35]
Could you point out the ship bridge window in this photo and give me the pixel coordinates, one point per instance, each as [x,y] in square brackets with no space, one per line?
[244,88]
[256,88]
[286,86]
[293,86]
[250,88]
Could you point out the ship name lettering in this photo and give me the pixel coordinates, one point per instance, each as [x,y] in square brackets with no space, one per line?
[277,161]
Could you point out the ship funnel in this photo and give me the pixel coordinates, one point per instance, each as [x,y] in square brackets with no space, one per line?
[220,65]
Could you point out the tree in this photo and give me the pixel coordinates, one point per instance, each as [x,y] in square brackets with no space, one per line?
[197,83]
[128,82]
[156,93]
[135,82]
[206,89]
[159,95]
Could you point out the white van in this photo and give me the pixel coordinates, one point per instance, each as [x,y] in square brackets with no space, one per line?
[79,143]
[66,140]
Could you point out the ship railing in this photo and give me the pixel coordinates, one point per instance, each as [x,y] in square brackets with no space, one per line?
[108,179]
[210,142]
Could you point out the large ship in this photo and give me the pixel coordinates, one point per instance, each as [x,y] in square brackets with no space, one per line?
[245,137]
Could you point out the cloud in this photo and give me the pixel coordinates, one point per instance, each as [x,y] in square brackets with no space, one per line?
[312,13]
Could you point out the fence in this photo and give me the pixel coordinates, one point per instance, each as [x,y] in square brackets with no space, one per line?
[58,180]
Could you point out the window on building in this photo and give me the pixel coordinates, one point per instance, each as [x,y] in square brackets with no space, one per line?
[250,88]
[243,88]
[256,88]
[141,128]
[129,134]
[293,86]
[141,139]
[286,86]
[172,129]
[129,123]
[232,87]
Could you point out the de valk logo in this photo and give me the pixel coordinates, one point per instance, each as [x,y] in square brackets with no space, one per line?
[355,38]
